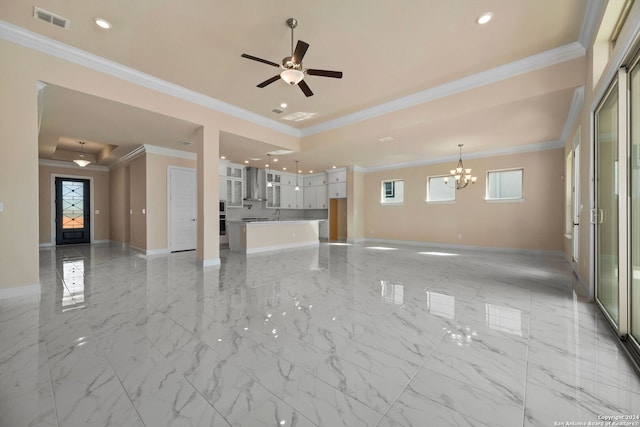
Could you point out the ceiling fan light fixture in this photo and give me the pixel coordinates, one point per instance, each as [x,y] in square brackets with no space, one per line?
[292,77]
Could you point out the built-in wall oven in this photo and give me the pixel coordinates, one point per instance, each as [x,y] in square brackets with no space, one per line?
[223,218]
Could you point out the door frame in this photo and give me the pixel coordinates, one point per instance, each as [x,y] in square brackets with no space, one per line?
[53,204]
[576,200]
[169,216]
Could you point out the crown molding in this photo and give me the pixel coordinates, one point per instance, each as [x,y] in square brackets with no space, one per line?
[592,17]
[483,78]
[529,148]
[574,112]
[170,152]
[136,152]
[71,165]
[57,49]
[26,38]
[153,149]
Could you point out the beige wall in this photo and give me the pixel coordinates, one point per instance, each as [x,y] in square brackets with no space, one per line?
[18,172]
[119,200]
[533,224]
[138,202]
[355,205]
[157,176]
[19,164]
[99,195]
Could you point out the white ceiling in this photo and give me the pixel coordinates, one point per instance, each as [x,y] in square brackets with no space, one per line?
[420,71]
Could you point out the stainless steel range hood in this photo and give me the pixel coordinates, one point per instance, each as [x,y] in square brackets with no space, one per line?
[254,184]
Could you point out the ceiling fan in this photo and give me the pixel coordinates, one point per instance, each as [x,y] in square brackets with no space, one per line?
[292,70]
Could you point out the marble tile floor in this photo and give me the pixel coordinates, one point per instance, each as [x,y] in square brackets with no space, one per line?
[340,335]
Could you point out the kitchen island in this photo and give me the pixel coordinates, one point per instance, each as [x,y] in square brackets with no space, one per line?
[262,236]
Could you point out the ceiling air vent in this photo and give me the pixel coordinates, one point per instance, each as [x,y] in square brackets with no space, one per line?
[277,111]
[51,18]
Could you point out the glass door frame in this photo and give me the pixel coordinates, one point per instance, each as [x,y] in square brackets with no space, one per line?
[619,83]
[53,205]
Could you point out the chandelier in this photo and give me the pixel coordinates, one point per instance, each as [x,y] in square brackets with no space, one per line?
[81,159]
[461,176]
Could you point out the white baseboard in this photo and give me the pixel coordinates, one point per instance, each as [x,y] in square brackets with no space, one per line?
[211,262]
[20,291]
[99,242]
[465,247]
[163,251]
[46,245]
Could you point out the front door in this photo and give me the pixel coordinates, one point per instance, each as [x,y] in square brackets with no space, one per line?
[72,211]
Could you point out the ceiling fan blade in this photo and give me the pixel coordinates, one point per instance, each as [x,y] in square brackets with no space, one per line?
[269,81]
[298,54]
[325,73]
[305,88]
[264,61]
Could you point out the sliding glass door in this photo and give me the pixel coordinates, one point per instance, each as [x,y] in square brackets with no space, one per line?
[634,207]
[617,205]
[606,210]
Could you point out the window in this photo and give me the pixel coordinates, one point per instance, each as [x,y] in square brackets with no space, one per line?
[439,191]
[504,184]
[392,191]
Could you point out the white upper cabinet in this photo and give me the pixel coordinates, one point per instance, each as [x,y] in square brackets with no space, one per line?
[315,191]
[289,197]
[231,188]
[337,175]
[337,183]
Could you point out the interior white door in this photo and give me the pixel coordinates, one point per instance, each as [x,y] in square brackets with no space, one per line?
[183,226]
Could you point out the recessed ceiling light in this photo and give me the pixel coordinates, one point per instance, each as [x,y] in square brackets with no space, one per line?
[103,23]
[333,167]
[223,157]
[246,161]
[484,18]
[284,169]
[283,105]
[275,160]
[310,171]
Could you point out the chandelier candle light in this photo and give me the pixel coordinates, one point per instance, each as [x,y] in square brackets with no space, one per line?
[462,177]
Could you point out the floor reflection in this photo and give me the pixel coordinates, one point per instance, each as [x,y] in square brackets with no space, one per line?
[504,319]
[441,305]
[73,292]
[391,294]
